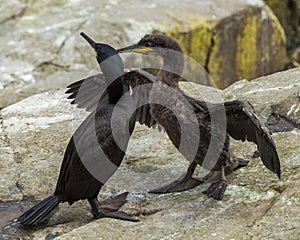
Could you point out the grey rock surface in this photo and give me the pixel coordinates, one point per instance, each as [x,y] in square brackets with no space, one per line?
[35,132]
[279,94]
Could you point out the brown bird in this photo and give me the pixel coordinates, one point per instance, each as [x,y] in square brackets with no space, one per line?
[174,110]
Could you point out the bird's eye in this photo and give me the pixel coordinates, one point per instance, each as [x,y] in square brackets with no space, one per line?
[148,44]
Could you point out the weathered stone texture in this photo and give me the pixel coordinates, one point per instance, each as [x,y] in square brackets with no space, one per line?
[34,134]
[41,48]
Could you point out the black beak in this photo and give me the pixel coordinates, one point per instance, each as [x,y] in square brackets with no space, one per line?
[135,48]
[89,40]
[127,49]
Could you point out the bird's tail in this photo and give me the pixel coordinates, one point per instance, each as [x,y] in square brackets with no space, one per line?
[39,212]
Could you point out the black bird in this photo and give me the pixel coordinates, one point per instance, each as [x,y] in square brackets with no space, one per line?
[93,154]
[241,120]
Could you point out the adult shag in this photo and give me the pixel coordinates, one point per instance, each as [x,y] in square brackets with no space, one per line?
[242,122]
[94,141]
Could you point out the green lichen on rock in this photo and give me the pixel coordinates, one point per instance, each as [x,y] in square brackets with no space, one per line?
[245,42]
[253,35]
[195,41]
[248,44]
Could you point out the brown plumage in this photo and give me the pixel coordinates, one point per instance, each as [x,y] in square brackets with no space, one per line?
[241,120]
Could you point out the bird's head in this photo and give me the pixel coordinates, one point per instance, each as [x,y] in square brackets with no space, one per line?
[152,44]
[107,57]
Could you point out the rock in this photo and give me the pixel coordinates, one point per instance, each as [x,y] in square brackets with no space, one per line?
[279,94]
[42,50]
[35,132]
[32,128]
[296,57]
[288,13]
[256,26]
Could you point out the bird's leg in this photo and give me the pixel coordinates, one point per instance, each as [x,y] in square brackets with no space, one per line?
[114,203]
[183,183]
[218,188]
[99,213]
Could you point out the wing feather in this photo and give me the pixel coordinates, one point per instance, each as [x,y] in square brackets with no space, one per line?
[91,91]
[243,124]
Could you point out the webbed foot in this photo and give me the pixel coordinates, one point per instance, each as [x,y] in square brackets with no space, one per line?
[181,184]
[216,190]
[114,203]
[110,208]
[116,215]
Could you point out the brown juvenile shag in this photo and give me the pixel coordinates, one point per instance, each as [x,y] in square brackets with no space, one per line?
[242,122]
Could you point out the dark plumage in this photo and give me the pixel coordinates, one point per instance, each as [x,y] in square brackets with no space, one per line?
[242,123]
[85,93]
[92,155]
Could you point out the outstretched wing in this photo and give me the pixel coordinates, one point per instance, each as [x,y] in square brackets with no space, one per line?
[91,91]
[243,124]
[140,83]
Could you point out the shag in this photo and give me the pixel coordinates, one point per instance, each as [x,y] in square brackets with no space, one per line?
[241,120]
[75,181]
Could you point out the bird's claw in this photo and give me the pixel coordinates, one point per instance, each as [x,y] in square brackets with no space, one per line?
[216,190]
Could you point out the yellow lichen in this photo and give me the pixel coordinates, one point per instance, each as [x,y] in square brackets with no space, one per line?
[245,45]
[247,49]
[195,41]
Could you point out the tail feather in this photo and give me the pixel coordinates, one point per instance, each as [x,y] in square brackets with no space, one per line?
[40,211]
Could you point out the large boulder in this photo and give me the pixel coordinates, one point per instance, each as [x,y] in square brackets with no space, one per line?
[41,48]
[35,132]
[288,13]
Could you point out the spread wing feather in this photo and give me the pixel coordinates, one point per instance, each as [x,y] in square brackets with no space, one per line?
[243,124]
[89,92]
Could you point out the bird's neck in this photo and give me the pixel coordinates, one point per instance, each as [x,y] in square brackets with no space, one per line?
[173,65]
[115,90]
[167,77]
[113,71]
